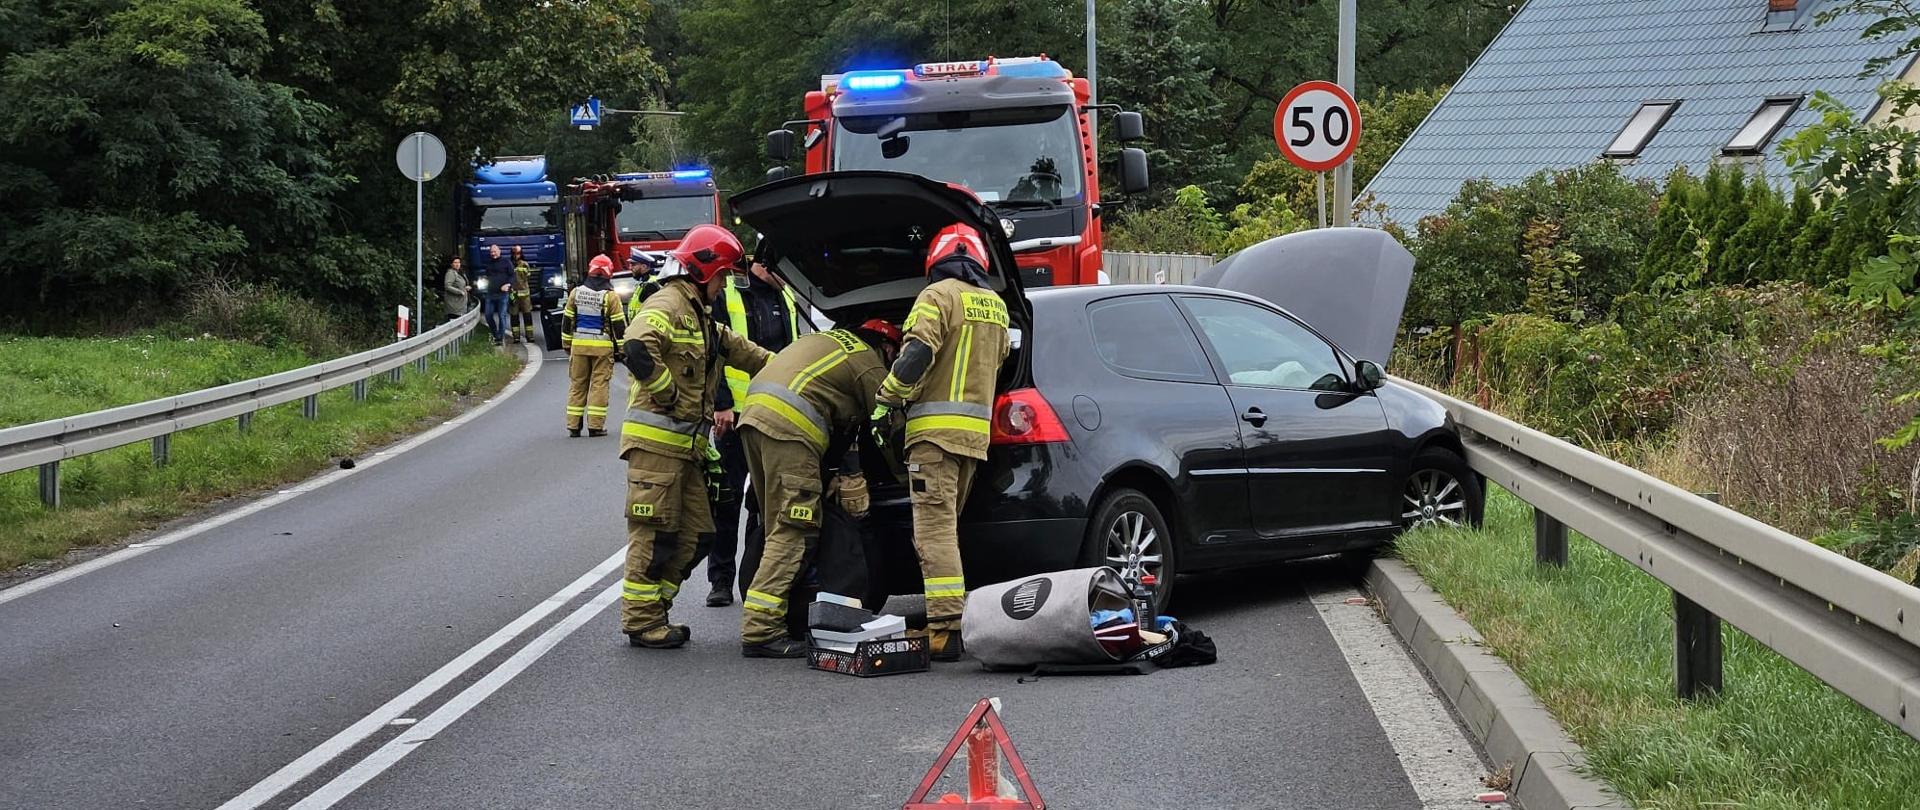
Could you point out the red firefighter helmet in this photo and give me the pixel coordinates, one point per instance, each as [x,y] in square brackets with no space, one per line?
[954,241]
[707,250]
[600,266]
[881,327]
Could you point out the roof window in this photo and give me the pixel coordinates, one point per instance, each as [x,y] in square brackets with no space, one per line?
[1760,128]
[1641,128]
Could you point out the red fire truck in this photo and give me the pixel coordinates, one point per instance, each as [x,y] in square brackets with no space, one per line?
[1014,131]
[651,211]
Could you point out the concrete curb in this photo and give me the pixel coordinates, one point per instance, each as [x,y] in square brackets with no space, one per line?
[1499,710]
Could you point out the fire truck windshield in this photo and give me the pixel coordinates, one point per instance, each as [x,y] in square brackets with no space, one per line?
[502,219]
[1010,155]
[662,217]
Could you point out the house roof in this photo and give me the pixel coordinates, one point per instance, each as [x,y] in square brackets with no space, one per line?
[1559,82]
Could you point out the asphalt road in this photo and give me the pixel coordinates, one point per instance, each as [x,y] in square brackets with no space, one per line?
[187,676]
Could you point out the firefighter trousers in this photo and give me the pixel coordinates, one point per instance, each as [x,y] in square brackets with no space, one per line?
[937,483]
[589,379]
[666,509]
[520,311]
[786,480]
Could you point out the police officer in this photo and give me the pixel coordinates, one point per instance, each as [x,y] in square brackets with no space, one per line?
[591,325]
[810,397]
[761,308]
[674,351]
[956,338]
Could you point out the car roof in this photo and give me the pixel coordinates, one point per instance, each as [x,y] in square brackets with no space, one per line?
[1047,298]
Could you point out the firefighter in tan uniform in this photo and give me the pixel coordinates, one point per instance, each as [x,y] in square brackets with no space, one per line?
[591,325]
[520,308]
[812,396]
[675,352]
[955,341]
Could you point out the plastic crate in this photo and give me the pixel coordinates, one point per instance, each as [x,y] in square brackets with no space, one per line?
[871,659]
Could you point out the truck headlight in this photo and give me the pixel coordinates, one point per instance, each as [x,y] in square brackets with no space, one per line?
[556,280]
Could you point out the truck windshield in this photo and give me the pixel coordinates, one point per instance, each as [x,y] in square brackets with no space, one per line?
[516,219]
[662,217]
[1011,155]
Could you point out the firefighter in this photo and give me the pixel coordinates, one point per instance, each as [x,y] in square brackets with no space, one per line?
[591,326]
[520,309]
[674,352]
[802,408]
[761,308]
[956,338]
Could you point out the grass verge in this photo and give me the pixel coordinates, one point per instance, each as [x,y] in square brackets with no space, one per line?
[1595,642]
[110,495]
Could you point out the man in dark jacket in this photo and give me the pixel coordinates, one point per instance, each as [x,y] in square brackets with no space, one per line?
[498,280]
[758,306]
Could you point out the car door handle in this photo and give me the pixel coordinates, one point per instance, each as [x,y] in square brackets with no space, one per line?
[1254,417]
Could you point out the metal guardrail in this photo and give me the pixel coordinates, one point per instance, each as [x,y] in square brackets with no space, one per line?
[46,444]
[1153,268]
[1849,625]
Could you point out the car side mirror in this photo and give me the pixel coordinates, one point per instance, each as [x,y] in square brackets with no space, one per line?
[1371,377]
[1130,126]
[1133,171]
[894,147]
[778,173]
[780,145]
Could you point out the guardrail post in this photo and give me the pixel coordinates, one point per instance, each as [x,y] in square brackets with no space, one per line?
[246,422]
[420,365]
[359,390]
[162,449]
[1696,644]
[394,375]
[1549,540]
[50,484]
[310,407]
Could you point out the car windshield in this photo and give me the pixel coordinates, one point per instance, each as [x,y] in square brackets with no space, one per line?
[516,218]
[662,217]
[1012,155]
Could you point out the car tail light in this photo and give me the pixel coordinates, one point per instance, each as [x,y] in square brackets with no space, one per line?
[1022,416]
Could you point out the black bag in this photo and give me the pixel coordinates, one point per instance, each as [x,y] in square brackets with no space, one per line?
[1191,648]
[846,560]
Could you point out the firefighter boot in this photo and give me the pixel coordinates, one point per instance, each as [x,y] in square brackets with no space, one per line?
[662,637]
[946,645]
[573,433]
[780,647]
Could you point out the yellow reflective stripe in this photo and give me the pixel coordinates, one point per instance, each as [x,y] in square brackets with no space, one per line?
[945,586]
[660,382]
[669,589]
[654,434]
[813,372]
[892,386]
[764,602]
[921,310]
[639,591]
[611,305]
[597,409]
[600,342]
[968,424]
[657,320]
[799,420]
[688,337]
[962,358]
[574,411]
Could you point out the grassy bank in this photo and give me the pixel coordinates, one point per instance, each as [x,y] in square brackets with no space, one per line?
[110,495]
[1595,642]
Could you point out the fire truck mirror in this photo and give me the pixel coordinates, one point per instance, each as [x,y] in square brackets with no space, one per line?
[1130,126]
[895,146]
[1133,170]
[780,145]
[778,173]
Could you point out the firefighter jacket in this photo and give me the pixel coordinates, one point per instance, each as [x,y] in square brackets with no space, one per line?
[669,407]
[765,314]
[821,386]
[521,273]
[951,403]
[592,323]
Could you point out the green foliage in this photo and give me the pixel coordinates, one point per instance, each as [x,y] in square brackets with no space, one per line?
[1387,119]
[1186,224]
[1157,66]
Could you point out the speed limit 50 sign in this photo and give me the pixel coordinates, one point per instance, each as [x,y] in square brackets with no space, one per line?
[1317,125]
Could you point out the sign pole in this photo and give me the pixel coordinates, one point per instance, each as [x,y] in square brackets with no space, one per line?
[1343,175]
[1320,188]
[419,234]
[1093,85]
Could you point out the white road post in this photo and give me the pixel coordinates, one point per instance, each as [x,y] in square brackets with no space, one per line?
[1343,175]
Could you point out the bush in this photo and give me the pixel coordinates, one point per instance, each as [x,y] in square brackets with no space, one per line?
[266,315]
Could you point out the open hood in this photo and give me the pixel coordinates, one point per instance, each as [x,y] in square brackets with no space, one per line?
[1348,283]
[854,244]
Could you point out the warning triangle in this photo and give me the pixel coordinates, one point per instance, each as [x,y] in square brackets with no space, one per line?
[988,747]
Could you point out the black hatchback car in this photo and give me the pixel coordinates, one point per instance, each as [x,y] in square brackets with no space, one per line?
[1173,428]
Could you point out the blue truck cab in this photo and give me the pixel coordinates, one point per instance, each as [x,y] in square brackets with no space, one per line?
[510,203]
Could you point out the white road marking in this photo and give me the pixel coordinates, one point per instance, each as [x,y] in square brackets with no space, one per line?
[365,727]
[1444,768]
[390,754]
[42,583]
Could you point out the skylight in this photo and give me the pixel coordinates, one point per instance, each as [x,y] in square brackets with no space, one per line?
[1760,129]
[1641,128]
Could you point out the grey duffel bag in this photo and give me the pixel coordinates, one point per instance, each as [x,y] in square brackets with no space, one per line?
[1041,619]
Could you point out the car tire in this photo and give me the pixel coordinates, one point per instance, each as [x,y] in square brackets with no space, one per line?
[1123,515]
[1441,488]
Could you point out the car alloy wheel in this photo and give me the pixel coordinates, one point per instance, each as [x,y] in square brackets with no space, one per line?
[1132,542]
[1433,497]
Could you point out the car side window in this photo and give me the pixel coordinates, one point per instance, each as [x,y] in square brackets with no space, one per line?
[1144,336]
[1258,346]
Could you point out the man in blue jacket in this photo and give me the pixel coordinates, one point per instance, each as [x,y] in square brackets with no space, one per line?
[496,290]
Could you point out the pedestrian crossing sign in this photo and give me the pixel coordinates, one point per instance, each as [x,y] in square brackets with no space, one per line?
[587,115]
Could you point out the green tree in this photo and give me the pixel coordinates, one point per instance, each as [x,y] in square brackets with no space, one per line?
[1157,67]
